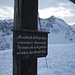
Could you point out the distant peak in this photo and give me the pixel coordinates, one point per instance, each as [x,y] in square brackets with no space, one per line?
[53,16]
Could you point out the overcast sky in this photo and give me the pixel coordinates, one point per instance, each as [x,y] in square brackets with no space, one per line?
[6,9]
[63,9]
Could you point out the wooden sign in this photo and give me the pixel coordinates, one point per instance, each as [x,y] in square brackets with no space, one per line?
[30,44]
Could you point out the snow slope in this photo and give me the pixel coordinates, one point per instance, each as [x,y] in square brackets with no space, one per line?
[73,26]
[6,27]
[60,61]
[5,62]
[60,31]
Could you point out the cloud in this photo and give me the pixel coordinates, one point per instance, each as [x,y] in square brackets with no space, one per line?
[63,9]
[51,3]
[56,11]
[67,14]
[6,9]
[6,13]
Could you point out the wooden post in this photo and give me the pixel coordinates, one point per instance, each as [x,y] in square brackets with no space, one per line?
[25,17]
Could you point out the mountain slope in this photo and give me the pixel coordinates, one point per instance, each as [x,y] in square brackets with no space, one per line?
[60,31]
[73,26]
[6,34]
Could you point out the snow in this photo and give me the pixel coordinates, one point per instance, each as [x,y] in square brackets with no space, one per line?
[73,26]
[59,61]
[59,39]
[60,31]
[6,42]
[5,62]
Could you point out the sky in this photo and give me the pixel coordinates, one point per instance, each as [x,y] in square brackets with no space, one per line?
[63,9]
[6,9]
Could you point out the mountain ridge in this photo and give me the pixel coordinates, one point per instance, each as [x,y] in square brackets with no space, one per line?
[58,28]
[60,31]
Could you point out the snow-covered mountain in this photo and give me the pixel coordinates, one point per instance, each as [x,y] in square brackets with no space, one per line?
[6,34]
[73,26]
[60,31]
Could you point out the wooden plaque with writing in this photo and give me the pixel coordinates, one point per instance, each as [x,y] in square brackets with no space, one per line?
[30,44]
